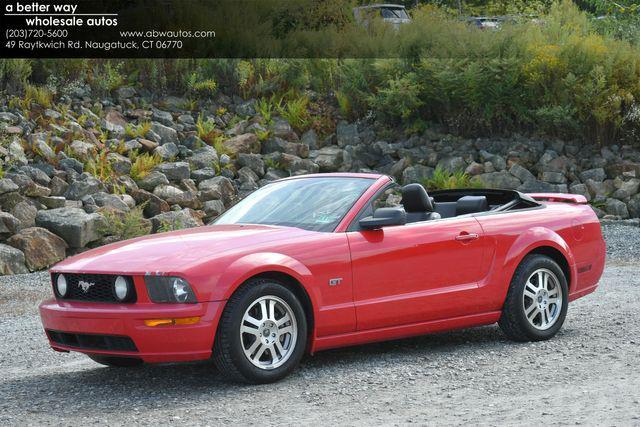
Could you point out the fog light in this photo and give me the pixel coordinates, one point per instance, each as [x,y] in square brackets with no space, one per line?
[61,286]
[122,288]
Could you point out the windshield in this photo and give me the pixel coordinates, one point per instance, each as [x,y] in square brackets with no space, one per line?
[394,13]
[315,204]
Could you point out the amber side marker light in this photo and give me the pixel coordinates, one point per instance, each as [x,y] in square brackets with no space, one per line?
[169,322]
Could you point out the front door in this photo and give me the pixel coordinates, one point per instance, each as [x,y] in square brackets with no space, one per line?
[417,272]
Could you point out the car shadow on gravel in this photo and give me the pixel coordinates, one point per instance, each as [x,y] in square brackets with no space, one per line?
[127,388]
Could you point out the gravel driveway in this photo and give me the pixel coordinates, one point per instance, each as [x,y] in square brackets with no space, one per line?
[588,374]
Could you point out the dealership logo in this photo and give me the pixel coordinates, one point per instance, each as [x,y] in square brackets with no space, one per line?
[85,286]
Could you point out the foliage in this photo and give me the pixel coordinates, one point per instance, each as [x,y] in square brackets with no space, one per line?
[207,130]
[442,179]
[38,94]
[125,225]
[137,131]
[143,164]
[100,166]
[295,112]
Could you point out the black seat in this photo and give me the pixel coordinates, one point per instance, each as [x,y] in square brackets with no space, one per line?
[417,204]
[471,204]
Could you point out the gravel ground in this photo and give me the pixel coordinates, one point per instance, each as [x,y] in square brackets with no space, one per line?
[588,374]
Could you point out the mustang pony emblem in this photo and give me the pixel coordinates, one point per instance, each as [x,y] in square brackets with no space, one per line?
[85,285]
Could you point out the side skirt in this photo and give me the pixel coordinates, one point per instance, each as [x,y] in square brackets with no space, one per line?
[403,331]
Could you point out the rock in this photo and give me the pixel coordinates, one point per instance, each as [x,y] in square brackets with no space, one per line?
[74,225]
[12,261]
[597,175]
[347,134]
[9,200]
[85,186]
[627,189]
[176,196]
[71,164]
[452,164]
[37,175]
[329,159]
[246,143]
[163,117]
[120,164]
[16,153]
[111,201]
[41,248]
[192,142]
[246,109]
[252,161]
[176,220]
[582,190]
[500,180]
[203,174]
[554,177]
[114,123]
[280,145]
[152,180]
[282,129]
[416,174]
[7,186]
[536,186]
[218,188]
[52,202]
[634,206]
[125,92]
[44,150]
[616,207]
[600,188]
[9,224]
[474,168]
[58,186]
[82,149]
[213,208]
[521,173]
[153,205]
[176,171]
[167,151]
[167,134]
[147,144]
[25,213]
[398,167]
[205,157]
[310,139]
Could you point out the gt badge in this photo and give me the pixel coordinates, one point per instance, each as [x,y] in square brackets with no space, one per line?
[335,282]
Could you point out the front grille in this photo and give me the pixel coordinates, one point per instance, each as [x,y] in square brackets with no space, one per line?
[101,289]
[92,342]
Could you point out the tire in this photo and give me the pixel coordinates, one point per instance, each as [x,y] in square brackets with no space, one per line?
[535,312]
[247,356]
[116,362]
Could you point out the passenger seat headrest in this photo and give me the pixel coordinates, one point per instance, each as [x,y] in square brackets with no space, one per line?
[416,199]
[471,204]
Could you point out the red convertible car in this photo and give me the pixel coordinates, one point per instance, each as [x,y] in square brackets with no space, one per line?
[323,261]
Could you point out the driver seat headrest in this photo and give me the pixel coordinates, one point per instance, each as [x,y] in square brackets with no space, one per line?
[416,199]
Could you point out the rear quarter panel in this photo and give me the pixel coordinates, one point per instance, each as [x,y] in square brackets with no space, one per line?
[571,229]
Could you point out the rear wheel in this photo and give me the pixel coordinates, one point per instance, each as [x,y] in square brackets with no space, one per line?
[262,333]
[537,301]
[116,362]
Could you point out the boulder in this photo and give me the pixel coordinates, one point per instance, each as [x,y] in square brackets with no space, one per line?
[554,177]
[25,213]
[501,180]
[74,225]
[582,190]
[58,186]
[627,189]
[213,208]
[41,248]
[153,205]
[86,185]
[176,220]
[347,134]
[218,188]
[111,201]
[252,161]
[120,164]
[12,261]
[176,171]
[176,196]
[453,164]
[205,157]
[167,135]
[168,151]
[329,159]
[521,173]
[246,143]
[597,175]
[7,186]
[163,117]
[9,224]
[416,174]
[203,174]
[152,180]
[634,206]
[617,208]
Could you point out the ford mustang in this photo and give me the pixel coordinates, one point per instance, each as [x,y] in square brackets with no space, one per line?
[322,261]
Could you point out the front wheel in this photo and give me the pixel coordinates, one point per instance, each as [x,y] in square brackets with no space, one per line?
[262,333]
[537,301]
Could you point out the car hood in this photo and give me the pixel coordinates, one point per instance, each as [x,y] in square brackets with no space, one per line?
[175,251]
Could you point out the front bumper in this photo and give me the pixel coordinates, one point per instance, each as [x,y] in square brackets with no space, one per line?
[158,344]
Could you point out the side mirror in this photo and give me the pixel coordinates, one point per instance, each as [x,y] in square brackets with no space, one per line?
[384,217]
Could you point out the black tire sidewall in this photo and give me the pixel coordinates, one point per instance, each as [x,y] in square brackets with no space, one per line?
[244,366]
[528,267]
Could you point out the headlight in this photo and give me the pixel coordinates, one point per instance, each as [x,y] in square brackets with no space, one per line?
[122,289]
[61,286]
[166,289]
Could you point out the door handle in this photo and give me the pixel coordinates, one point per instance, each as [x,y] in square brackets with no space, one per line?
[467,237]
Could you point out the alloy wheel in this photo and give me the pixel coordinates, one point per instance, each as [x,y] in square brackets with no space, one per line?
[268,332]
[542,299]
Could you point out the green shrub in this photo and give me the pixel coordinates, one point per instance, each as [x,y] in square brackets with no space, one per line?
[445,180]
[143,164]
[125,225]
